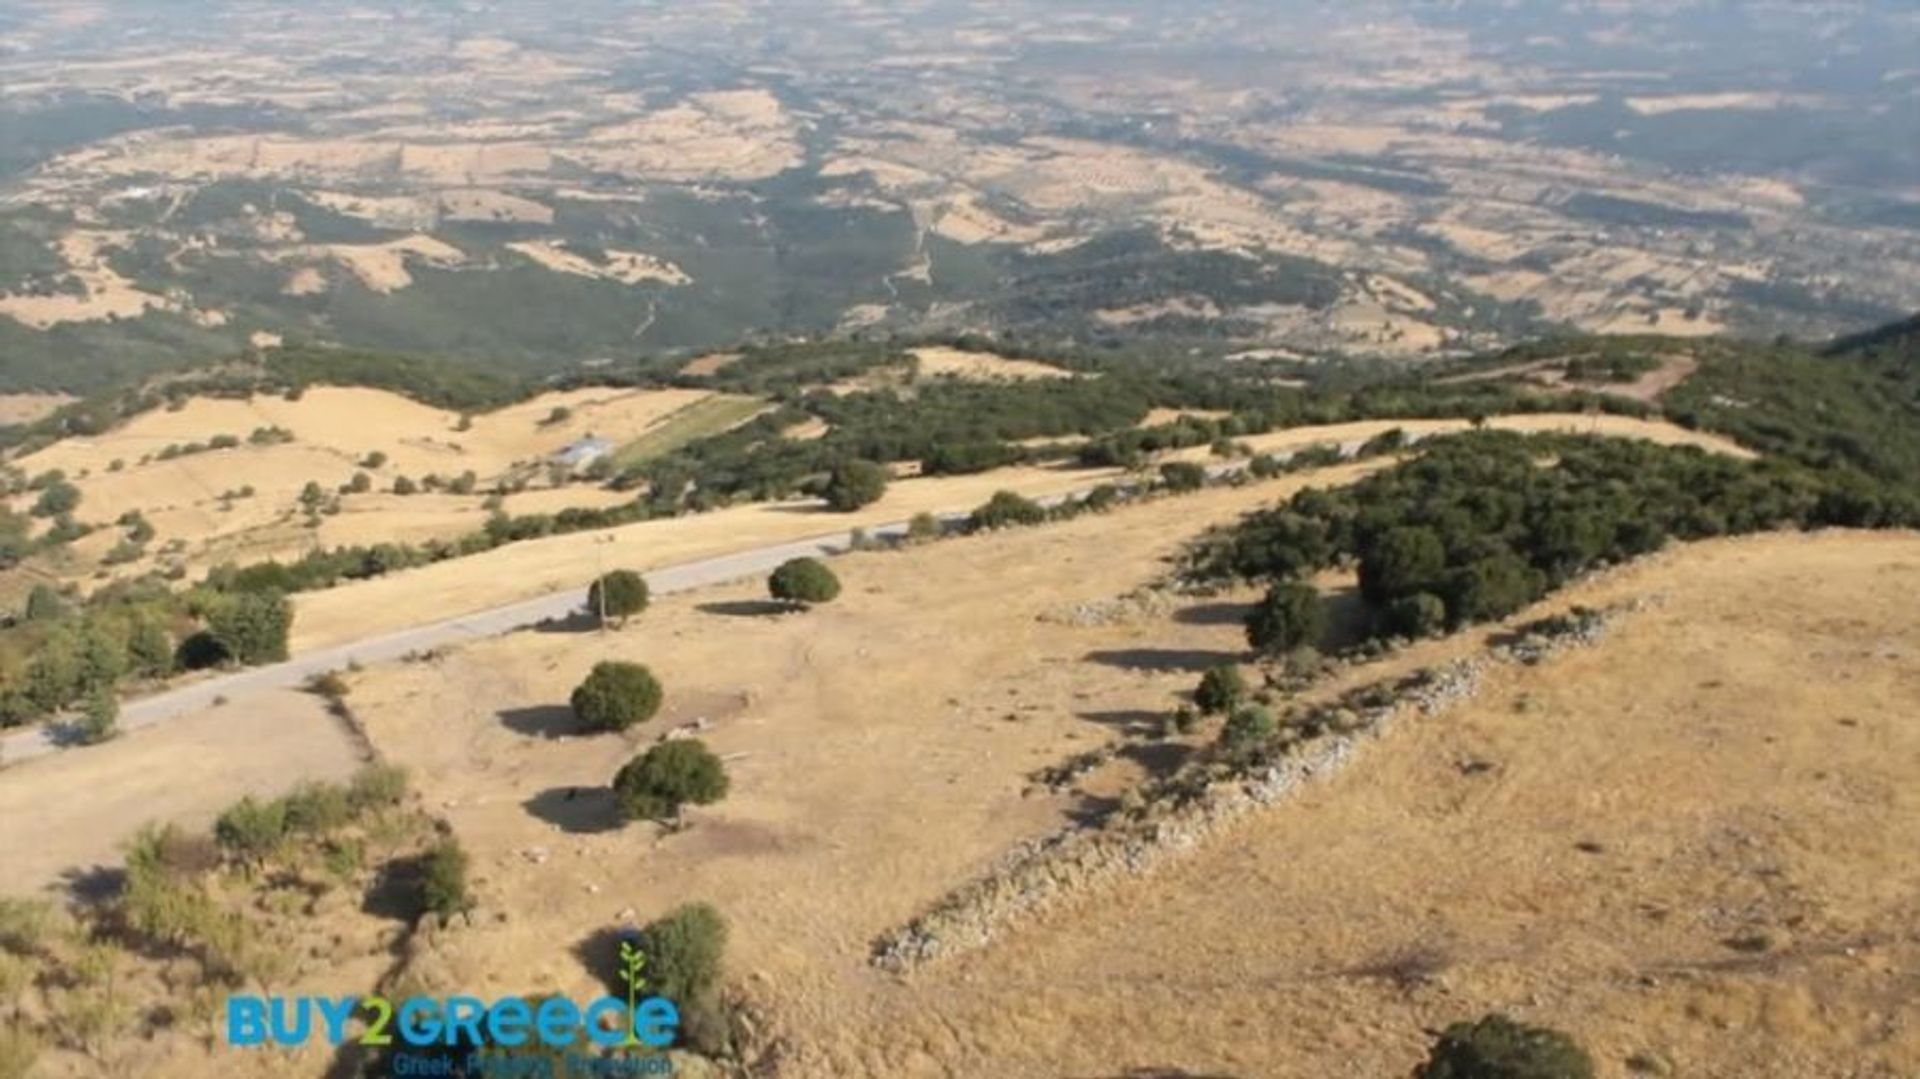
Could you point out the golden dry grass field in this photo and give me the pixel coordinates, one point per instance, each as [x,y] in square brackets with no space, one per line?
[1695,840]
[196,499]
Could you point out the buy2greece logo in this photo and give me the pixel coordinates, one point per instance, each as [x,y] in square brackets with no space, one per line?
[439,1023]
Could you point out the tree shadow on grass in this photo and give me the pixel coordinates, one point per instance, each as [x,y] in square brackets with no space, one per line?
[94,884]
[745,608]
[1214,614]
[1163,659]
[577,810]
[395,891]
[1160,759]
[1092,809]
[574,622]
[543,721]
[599,953]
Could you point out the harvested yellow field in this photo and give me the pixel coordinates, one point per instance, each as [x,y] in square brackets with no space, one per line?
[1658,431]
[981,366]
[335,431]
[626,267]
[1695,843]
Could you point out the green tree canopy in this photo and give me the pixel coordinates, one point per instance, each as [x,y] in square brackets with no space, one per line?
[654,785]
[1287,618]
[1496,1047]
[854,484]
[617,695]
[804,581]
[619,595]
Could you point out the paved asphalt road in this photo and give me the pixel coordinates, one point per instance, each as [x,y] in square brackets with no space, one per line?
[493,622]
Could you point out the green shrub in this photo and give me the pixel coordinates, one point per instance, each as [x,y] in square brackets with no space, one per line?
[1287,618]
[317,808]
[616,696]
[803,581]
[1221,689]
[1496,1047]
[923,528]
[1249,726]
[443,882]
[1421,614]
[100,718]
[1007,509]
[377,786]
[854,484]
[251,627]
[45,605]
[251,829]
[654,785]
[619,595]
[59,497]
[1182,476]
[684,949]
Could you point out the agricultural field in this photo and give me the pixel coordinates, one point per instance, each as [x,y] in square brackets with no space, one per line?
[549,199]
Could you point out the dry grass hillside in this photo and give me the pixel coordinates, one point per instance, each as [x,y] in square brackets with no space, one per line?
[197,500]
[1692,842]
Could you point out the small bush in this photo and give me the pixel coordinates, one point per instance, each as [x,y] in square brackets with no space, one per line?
[251,829]
[1496,1047]
[1182,476]
[855,484]
[803,581]
[619,595]
[656,784]
[924,528]
[317,808]
[1007,509]
[443,882]
[1422,614]
[100,718]
[684,949]
[616,696]
[377,786]
[1221,689]
[1288,617]
[251,627]
[1249,726]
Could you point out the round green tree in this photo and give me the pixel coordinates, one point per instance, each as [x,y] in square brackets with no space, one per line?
[619,595]
[1496,1047]
[1287,618]
[654,785]
[803,581]
[855,484]
[616,696]
[1221,689]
